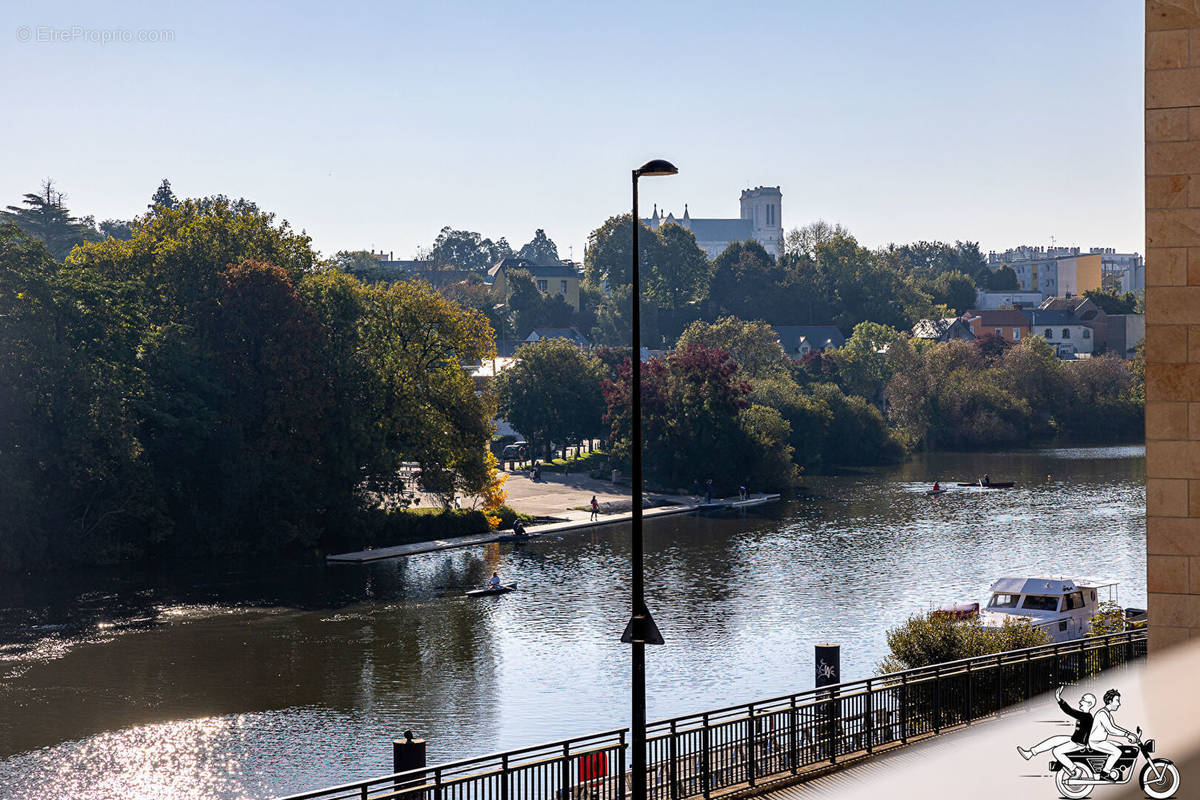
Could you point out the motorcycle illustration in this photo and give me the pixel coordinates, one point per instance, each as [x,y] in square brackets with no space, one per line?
[1159,778]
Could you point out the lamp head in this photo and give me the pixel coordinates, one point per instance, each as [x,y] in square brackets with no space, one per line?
[656,167]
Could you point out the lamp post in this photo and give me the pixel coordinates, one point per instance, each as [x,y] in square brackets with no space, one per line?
[641,629]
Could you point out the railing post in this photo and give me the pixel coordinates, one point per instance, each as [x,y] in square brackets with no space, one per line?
[970,696]
[904,709]
[565,771]
[750,746]
[621,768]
[504,777]
[1028,675]
[999,684]
[437,784]
[793,752]
[831,728]
[673,769]
[937,699]
[706,761]
[870,726]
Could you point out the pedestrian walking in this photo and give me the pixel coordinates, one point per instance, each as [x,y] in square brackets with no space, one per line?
[595,509]
[695,488]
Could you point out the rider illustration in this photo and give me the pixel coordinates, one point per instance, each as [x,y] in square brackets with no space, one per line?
[1103,728]
[1061,745]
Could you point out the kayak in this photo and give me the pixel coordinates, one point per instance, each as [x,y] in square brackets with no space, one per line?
[515,537]
[937,491]
[504,589]
[992,485]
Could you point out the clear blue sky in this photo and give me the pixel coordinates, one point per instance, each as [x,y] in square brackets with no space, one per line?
[375,124]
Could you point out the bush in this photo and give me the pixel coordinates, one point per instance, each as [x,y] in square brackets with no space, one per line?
[935,639]
[383,528]
[508,515]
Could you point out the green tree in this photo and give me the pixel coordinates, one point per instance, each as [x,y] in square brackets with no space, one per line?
[745,283]
[862,360]
[610,252]
[805,241]
[752,345]
[678,277]
[163,196]
[46,218]
[467,250]
[935,638]
[1113,302]
[552,394]
[540,251]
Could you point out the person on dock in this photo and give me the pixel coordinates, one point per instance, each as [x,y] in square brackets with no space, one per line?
[519,527]
[494,581]
[696,489]
[741,493]
[595,509]
[708,491]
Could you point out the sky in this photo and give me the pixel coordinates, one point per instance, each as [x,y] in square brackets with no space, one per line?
[373,125]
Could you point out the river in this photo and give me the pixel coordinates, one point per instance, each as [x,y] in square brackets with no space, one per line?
[261,679]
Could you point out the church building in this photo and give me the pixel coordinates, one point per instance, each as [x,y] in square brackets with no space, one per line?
[760,220]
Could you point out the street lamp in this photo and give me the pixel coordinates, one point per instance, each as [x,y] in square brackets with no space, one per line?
[641,629]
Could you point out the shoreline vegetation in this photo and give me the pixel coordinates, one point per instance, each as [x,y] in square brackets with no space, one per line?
[199,382]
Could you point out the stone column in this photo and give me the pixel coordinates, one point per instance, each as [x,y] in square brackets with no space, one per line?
[1173,319]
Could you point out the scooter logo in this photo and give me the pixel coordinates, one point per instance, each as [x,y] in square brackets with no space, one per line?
[1092,755]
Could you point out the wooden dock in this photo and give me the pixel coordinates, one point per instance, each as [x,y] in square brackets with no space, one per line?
[535,531]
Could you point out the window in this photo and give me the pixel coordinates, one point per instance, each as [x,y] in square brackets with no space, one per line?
[1066,333]
[541,286]
[1040,602]
[562,287]
[1049,333]
[1004,601]
[1087,333]
[1062,626]
[1016,334]
[999,331]
[1074,600]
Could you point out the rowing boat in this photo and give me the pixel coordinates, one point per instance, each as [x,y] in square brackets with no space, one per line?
[936,491]
[503,589]
[992,485]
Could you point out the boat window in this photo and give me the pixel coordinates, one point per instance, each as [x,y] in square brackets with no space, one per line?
[1004,600]
[1040,602]
[1062,626]
[1074,600]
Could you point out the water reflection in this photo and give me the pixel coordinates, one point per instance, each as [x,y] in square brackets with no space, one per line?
[252,680]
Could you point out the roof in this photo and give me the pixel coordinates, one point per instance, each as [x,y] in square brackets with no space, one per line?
[1046,585]
[999,317]
[935,328]
[536,270]
[721,230]
[569,334]
[817,335]
[1053,316]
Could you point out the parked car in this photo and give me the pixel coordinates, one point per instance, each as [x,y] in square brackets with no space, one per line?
[517,451]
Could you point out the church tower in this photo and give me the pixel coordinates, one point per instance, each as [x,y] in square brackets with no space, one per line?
[761,206]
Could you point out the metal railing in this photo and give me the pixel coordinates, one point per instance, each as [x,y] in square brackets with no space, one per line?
[764,741]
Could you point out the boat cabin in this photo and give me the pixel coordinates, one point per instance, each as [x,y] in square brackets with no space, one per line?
[1062,607]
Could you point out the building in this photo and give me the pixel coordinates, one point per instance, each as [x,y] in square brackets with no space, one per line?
[989,301]
[1069,335]
[800,340]
[1125,333]
[1009,324]
[1036,268]
[554,279]
[570,334]
[1087,312]
[943,330]
[761,221]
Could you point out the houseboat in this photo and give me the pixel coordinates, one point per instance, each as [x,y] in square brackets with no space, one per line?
[1062,607]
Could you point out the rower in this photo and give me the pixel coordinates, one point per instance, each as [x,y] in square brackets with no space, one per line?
[494,581]
[937,487]
[987,479]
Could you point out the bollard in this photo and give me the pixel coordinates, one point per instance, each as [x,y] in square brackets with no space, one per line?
[408,754]
[828,661]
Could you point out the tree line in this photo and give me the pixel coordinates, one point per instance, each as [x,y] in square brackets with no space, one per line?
[208,385]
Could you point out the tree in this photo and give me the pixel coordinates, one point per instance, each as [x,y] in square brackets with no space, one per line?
[1002,279]
[1113,302]
[46,218]
[805,241]
[610,252]
[467,250]
[678,276]
[862,360]
[745,283]
[698,422]
[954,289]
[552,394]
[163,197]
[752,345]
[936,638]
[540,251]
